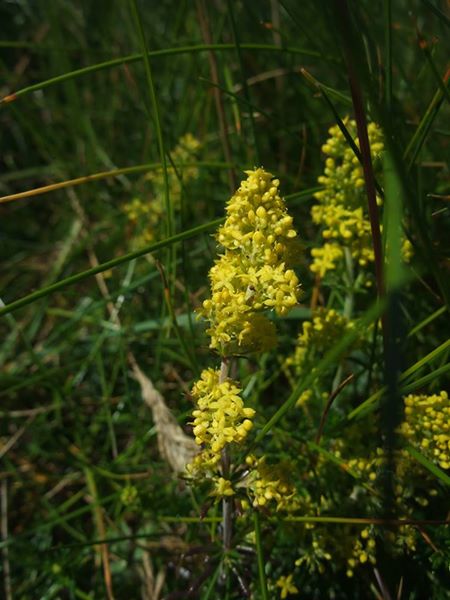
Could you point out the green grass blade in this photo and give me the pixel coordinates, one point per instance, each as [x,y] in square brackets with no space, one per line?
[371,403]
[425,360]
[418,139]
[156,114]
[427,321]
[388,54]
[106,175]
[437,76]
[426,379]
[430,466]
[132,58]
[244,79]
[212,583]
[110,264]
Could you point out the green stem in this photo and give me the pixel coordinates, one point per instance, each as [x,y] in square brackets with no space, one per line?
[259,552]
[227,502]
[348,307]
[156,114]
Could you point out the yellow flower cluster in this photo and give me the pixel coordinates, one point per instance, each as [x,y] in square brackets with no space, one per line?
[315,555]
[363,551]
[427,425]
[185,151]
[318,335]
[366,467]
[407,250]
[341,204]
[269,485]
[146,216]
[219,419]
[405,490]
[253,274]
[325,258]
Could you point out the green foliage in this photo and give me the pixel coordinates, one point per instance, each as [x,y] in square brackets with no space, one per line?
[137,120]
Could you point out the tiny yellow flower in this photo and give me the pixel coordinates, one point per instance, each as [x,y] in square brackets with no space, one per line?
[286,585]
[222,488]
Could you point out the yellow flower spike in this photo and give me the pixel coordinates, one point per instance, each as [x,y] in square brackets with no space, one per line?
[341,205]
[253,273]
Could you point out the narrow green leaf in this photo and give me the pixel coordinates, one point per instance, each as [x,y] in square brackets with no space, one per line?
[132,58]
[418,139]
[425,360]
[371,403]
[427,321]
[156,114]
[426,379]
[331,357]
[110,264]
[105,175]
[430,466]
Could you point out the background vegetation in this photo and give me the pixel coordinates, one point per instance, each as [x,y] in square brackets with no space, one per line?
[93,292]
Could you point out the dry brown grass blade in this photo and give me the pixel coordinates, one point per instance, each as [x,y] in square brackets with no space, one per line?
[174,445]
[102,549]
[151,585]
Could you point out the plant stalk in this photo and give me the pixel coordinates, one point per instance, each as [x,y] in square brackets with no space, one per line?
[227,502]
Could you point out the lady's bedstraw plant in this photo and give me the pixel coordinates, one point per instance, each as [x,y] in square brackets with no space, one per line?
[253,274]
[340,209]
[251,277]
[145,216]
[343,264]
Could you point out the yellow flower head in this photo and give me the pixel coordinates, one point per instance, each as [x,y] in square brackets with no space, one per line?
[253,274]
